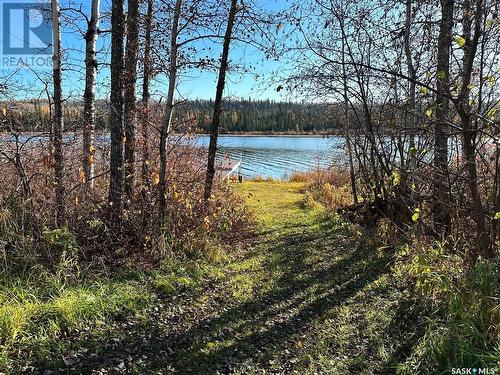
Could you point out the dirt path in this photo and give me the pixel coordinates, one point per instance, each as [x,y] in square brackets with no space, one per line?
[310,297]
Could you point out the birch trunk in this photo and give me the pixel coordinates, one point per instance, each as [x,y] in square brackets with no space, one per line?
[169,108]
[89,96]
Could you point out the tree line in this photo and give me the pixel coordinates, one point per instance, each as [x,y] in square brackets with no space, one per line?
[243,116]
[239,116]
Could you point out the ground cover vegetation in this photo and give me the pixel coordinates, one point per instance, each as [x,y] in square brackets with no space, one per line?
[130,252]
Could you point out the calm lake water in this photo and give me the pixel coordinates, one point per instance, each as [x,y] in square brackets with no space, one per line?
[278,156]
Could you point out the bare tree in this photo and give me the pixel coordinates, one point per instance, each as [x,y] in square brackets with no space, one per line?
[129,92]
[147,75]
[347,129]
[442,218]
[469,133]
[116,180]
[214,128]
[58,115]
[89,95]
[411,118]
[169,106]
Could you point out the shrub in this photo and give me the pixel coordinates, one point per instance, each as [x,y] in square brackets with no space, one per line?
[258,179]
[299,177]
[308,201]
[326,186]
[463,328]
[331,196]
[62,243]
[20,233]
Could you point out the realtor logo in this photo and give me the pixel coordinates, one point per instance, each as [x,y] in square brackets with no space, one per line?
[26,33]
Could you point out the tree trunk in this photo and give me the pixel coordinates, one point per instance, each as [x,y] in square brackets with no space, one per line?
[58,116]
[496,195]
[169,107]
[469,149]
[469,133]
[129,93]
[89,96]
[145,172]
[411,118]
[346,121]
[214,129]
[117,137]
[442,217]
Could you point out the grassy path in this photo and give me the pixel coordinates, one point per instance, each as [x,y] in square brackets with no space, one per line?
[309,297]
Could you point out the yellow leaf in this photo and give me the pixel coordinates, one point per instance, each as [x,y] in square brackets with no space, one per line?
[460,41]
[424,90]
[428,113]
[492,113]
[415,215]
[206,222]
[395,178]
[156,178]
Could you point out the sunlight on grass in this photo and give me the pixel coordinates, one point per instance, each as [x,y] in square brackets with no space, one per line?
[278,204]
[34,311]
[308,292]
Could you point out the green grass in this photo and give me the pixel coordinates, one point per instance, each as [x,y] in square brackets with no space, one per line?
[277,204]
[306,294]
[37,310]
[310,297]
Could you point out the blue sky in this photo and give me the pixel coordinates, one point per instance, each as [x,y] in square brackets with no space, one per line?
[193,84]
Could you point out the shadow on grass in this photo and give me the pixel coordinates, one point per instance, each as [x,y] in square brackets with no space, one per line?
[405,320]
[317,270]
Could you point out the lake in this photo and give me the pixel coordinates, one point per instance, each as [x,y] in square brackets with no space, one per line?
[266,156]
[278,156]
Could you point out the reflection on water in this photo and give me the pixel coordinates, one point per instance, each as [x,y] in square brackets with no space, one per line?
[264,156]
[280,156]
